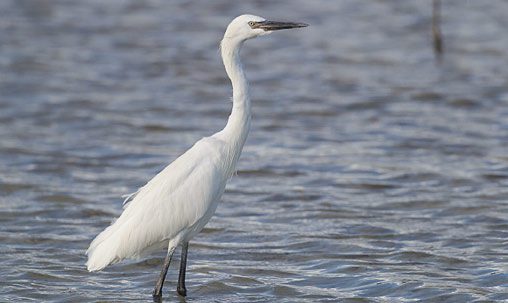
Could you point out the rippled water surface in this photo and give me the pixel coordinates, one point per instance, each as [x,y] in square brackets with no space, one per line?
[371,174]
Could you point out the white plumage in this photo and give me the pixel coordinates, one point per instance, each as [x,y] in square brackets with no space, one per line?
[177,203]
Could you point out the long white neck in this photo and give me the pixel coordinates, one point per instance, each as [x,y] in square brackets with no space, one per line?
[238,125]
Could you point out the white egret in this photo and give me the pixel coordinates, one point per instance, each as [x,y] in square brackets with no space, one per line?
[178,202]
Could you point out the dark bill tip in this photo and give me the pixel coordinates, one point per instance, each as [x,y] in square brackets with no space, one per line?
[276,25]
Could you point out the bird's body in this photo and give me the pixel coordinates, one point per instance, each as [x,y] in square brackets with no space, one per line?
[178,202]
[173,206]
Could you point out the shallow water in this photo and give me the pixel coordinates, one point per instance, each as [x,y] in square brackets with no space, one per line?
[371,174]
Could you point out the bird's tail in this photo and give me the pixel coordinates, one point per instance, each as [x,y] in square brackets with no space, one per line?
[103,250]
[117,242]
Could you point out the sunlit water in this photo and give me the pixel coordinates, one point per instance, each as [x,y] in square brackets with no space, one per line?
[371,174]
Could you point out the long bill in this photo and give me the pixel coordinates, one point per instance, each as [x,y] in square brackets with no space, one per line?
[277,25]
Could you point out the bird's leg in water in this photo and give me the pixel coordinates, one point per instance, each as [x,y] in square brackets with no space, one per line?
[182,291]
[157,292]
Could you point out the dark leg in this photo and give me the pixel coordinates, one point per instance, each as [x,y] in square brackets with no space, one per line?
[157,292]
[183,264]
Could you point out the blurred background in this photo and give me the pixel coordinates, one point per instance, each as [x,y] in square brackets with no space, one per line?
[373,173]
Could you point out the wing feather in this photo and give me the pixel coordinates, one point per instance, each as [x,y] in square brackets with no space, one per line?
[129,197]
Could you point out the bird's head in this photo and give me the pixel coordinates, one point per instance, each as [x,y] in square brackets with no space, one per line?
[249,26]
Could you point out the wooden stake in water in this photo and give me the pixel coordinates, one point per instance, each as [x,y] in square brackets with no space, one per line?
[436,29]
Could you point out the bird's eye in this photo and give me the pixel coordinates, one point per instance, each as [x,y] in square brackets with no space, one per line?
[251,23]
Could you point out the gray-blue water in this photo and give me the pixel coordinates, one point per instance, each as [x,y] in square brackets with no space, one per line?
[371,174]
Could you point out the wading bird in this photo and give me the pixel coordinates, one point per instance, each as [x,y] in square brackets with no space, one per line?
[178,202]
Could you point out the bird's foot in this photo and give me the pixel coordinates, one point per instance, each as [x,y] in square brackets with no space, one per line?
[182,291]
